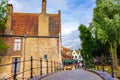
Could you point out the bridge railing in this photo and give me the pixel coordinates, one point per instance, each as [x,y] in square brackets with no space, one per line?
[50,67]
[104,64]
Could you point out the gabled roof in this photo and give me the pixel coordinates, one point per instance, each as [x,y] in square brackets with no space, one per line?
[65,49]
[76,52]
[27,23]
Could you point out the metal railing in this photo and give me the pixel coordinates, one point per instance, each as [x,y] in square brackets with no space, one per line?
[51,66]
[101,63]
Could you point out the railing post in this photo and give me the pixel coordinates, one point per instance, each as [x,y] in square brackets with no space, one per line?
[15,70]
[31,73]
[54,67]
[47,65]
[41,67]
[102,58]
[111,63]
[57,66]
[51,67]
[60,66]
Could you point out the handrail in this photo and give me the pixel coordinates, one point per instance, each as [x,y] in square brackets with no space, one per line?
[51,65]
[101,62]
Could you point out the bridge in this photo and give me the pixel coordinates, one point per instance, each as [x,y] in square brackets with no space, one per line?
[52,70]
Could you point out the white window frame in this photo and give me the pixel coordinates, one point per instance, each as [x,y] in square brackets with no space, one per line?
[17,44]
[18,64]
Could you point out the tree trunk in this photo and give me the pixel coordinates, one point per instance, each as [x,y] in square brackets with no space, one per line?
[113,51]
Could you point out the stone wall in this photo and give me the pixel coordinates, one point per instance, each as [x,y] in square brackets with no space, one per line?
[43,25]
[37,48]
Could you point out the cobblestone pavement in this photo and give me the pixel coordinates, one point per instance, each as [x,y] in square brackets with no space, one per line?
[73,75]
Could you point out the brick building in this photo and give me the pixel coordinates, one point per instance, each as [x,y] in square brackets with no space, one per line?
[30,34]
[66,54]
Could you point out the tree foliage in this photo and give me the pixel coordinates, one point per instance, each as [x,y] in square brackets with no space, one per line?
[106,22]
[103,34]
[91,46]
[3,20]
[87,43]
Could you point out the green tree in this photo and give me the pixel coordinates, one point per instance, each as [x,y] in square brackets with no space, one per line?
[91,46]
[106,23]
[3,20]
[87,43]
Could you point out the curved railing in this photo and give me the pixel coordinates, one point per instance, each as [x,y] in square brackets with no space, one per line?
[51,66]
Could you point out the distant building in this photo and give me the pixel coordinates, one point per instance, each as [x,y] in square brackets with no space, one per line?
[66,54]
[30,34]
[76,55]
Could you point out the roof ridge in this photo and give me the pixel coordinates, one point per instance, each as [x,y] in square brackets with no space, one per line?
[24,13]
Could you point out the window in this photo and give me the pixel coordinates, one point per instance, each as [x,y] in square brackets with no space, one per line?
[45,56]
[17,44]
[18,64]
[73,57]
[79,57]
[76,57]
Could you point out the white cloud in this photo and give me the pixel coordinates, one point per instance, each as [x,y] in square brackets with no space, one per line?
[67,28]
[72,40]
[16,5]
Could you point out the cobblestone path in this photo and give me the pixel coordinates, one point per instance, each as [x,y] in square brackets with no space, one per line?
[73,75]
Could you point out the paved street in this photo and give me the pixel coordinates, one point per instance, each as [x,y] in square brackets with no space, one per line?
[73,75]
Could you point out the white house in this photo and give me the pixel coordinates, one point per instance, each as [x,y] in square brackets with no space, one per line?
[76,55]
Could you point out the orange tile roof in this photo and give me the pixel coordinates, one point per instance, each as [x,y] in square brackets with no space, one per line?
[65,49]
[28,23]
[25,22]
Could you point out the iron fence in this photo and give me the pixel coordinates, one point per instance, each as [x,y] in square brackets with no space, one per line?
[51,66]
[102,64]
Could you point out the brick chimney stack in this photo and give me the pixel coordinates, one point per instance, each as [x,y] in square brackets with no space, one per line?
[9,17]
[43,6]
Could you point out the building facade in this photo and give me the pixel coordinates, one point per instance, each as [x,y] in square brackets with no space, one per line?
[30,34]
[77,56]
[66,54]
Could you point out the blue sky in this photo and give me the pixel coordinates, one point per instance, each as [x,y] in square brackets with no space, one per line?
[73,13]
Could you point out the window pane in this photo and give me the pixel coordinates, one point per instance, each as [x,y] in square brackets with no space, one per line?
[19,46]
[18,65]
[15,46]
[17,40]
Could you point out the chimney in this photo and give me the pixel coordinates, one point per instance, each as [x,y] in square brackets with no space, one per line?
[9,19]
[43,6]
[59,14]
[10,9]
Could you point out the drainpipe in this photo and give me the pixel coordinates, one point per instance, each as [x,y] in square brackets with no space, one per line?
[60,55]
[24,57]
